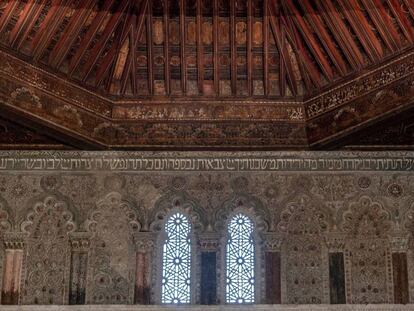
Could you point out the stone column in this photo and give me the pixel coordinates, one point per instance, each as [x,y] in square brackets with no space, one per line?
[144,247]
[209,244]
[272,268]
[80,245]
[13,264]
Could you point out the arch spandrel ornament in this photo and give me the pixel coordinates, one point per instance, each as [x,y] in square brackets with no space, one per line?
[48,226]
[246,204]
[177,201]
[112,257]
[366,218]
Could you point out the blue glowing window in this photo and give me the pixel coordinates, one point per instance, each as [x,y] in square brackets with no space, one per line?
[176,268]
[240,261]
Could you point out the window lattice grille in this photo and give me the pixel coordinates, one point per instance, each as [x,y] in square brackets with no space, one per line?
[240,276]
[176,273]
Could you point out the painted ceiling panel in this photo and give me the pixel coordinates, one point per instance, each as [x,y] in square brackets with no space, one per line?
[206,73]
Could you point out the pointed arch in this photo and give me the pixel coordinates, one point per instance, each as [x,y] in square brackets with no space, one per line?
[178,201]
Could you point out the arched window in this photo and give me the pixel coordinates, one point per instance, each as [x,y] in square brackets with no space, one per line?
[176,265]
[240,261]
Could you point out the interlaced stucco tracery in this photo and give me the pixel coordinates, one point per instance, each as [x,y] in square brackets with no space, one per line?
[112,260]
[48,226]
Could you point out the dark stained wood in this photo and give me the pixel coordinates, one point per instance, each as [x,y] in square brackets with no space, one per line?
[150,50]
[100,45]
[341,33]
[316,22]
[310,40]
[402,19]
[72,32]
[47,29]
[337,278]
[233,47]
[208,286]
[383,23]
[309,71]
[87,39]
[249,47]
[7,14]
[273,278]
[266,30]
[330,40]
[286,69]
[400,275]
[216,47]
[362,28]
[163,62]
[200,54]
[24,24]
[166,50]
[183,39]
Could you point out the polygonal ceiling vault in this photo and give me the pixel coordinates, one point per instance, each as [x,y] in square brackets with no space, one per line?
[205,73]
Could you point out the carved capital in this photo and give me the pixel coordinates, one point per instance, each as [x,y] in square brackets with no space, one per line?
[14,240]
[80,241]
[145,241]
[209,242]
[399,242]
[335,242]
[272,242]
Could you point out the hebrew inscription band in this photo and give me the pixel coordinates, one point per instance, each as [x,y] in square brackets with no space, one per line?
[323,161]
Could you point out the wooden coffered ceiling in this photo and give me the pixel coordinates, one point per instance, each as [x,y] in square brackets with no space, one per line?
[205,73]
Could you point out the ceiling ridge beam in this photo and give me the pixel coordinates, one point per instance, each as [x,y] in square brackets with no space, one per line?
[110,56]
[99,47]
[286,68]
[310,41]
[316,21]
[313,75]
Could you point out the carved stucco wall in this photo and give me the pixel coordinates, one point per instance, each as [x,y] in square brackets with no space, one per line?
[364,209]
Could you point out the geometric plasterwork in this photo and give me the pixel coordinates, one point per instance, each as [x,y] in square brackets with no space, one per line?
[366,218]
[48,226]
[117,244]
[368,252]
[303,224]
[112,263]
